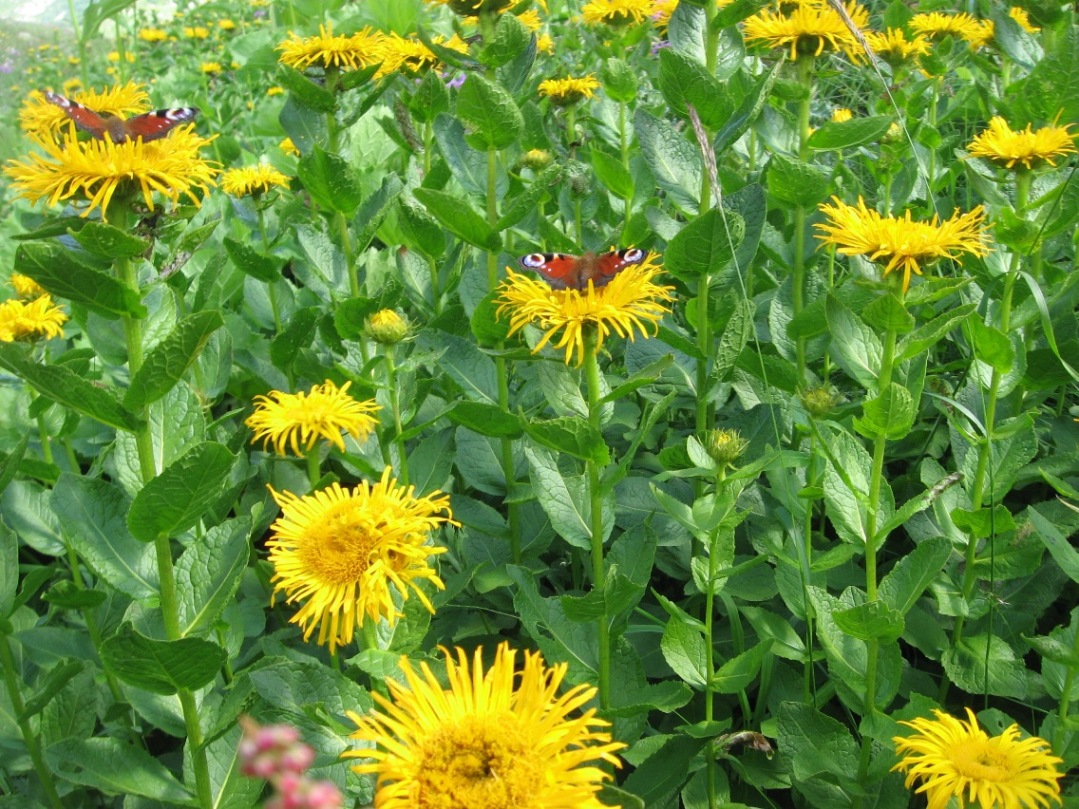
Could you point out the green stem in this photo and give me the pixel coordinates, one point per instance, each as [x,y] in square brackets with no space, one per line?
[804,67]
[623,142]
[931,170]
[314,467]
[395,405]
[84,69]
[595,497]
[1064,708]
[709,650]
[272,287]
[346,247]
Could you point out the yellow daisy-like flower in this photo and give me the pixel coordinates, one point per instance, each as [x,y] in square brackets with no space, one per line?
[530,19]
[25,286]
[288,147]
[38,318]
[628,304]
[1001,144]
[894,48]
[95,170]
[1021,16]
[196,32]
[937,25]
[295,419]
[958,759]
[616,12]
[327,50]
[984,35]
[496,739]
[275,91]
[564,92]
[544,43]
[210,67]
[152,35]
[903,243]
[809,28]
[841,115]
[114,56]
[226,25]
[401,54]
[40,118]
[252,181]
[346,553]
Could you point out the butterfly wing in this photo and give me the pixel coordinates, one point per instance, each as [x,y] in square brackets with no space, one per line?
[157,124]
[607,266]
[84,117]
[560,270]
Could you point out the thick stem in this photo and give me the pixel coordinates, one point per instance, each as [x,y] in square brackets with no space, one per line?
[395,405]
[595,497]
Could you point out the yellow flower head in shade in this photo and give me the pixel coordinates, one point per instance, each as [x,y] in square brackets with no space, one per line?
[809,28]
[152,35]
[288,147]
[25,286]
[95,170]
[903,243]
[1021,16]
[345,553]
[893,46]
[346,52]
[1029,147]
[544,43]
[252,181]
[937,25]
[628,304]
[401,54]
[616,12]
[299,420]
[564,92]
[958,759]
[840,115]
[497,739]
[21,320]
[43,119]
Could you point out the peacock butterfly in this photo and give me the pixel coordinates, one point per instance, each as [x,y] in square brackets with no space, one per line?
[563,271]
[148,126]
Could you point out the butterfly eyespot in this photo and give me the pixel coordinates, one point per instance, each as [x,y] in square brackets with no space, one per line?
[632,255]
[533,260]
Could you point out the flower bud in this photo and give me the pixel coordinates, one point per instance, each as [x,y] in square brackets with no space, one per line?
[819,401]
[387,327]
[725,446]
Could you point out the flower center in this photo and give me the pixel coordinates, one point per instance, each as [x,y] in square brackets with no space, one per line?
[979,762]
[479,762]
[340,545]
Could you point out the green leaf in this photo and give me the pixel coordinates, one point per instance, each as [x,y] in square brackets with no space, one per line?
[208,574]
[564,499]
[93,516]
[490,112]
[1066,556]
[571,436]
[509,41]
[468,166]
[796,183]
[614,176]
[430,98]
[248,260]
[684,649]
[686,82]
[115,768]
[986,664]
[928,335]
[890,414]
[657,780]
[160,666]
[9,466]
[374,209]
[305,92]
[849,133]
[9,569]
[874,620]
[1052,649]
[619,80]
[735,338]
[520,206]
[108,242]
[301,125]
[705,245]
[992,346]
[55,680]
[422,232]
[823,757]
[675,164]
[330,181]
[97,12]
[857,347]
[984,522]
[459,218]
[738,123]
[170,359]
[888,313]
[69,389]
[298,334]
[907,580]
[465,364]
[178,498]
[57,270]
[486,419]
[741,671]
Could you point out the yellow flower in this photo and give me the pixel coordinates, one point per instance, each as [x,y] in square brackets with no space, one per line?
[288,147]
[1021,16]
[893,46]
[40,118]
[958,759]
[210,67]
[292,419]
[937,25]
[661,13]
[530,19]
[196,32]
[95,169]
[275,91]
[544,43]
[38,318]
[841,115]
[345,52]
[114,56]
[346,553]
[25,286]
[616,12]
[226,25]
[412,56]
[903,243]
[629,303]
[152,35]
[564,92]
[984,35]
[809,28]
[498,739]
[252,181]
[1002,144]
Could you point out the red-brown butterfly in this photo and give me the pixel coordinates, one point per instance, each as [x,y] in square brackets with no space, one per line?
[149,126]
[564,271]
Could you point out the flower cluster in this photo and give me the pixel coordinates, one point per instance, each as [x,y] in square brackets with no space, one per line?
[275,753]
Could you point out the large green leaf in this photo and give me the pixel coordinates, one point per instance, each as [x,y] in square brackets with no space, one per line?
[115,768]
[160,666]
[330,181]
[704,245]
[61,274]
[459,218]
[489,112]
[675,163]
[170,359]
